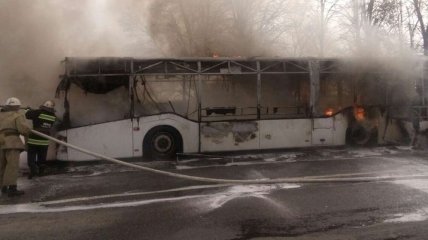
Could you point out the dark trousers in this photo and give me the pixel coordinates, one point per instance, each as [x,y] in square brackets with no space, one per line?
[36,156]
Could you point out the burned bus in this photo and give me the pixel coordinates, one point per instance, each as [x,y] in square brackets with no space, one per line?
[156,108]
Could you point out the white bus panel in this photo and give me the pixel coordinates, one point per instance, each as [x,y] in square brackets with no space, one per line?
[285,133]
[113,139]
[229,136]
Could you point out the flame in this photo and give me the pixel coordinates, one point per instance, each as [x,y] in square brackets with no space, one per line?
[329,112]
[360,113]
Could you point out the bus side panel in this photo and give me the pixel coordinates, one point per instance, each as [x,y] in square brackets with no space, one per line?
[285,133]
[229,136]
[60,150]
[188,130]
[113,139]
[340,124]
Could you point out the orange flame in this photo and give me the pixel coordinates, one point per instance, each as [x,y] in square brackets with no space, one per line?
[360,113]
[329,112]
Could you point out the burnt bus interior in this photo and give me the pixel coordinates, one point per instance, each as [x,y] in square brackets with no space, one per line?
[224,89]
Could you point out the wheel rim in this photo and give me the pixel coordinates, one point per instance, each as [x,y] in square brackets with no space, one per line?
[163,142]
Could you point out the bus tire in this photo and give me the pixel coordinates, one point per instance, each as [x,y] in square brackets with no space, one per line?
[359,136]
[162,143]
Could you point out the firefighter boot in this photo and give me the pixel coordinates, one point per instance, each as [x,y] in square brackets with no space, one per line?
[41,170]
[34,171]
[13,191]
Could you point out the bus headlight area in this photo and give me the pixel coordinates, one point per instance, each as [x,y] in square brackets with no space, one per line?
[156,108]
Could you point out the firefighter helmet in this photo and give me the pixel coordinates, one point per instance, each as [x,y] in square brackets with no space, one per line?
[13,101]
[49,104]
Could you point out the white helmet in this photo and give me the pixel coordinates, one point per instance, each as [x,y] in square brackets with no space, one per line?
[49,104]
[13,101]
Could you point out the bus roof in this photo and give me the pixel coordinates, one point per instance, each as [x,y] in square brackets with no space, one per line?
[103,74]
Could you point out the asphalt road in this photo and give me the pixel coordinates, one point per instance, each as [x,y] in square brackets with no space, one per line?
[107,201]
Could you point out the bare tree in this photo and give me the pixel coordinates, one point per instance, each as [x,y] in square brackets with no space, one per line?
[371,21]
[419,7]
[327,12]
[182,28]
[223,27]
[384,14]
[276,27]
[411,25]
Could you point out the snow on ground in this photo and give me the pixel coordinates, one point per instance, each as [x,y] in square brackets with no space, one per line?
[418,216]
[211,200]
[314,154]
[371,152]
[95,170]
[240,191]
[221,197]
[40,208]
[419,184]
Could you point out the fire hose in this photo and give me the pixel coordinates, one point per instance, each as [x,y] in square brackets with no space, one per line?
[311,179]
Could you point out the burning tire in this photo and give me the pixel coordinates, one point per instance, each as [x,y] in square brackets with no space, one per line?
[363,130]
[162,142]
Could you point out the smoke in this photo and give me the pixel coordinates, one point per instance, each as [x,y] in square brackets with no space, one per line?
[38,34]
[289,28]
[220,27]
[268,28]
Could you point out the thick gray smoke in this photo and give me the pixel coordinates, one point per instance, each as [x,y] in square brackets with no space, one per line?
[38,34]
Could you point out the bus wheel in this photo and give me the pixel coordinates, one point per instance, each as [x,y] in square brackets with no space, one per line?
[360,136]
[162,142]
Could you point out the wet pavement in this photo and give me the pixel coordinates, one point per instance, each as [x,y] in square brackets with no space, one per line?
[108,201]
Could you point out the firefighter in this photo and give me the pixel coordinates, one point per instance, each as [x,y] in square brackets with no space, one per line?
[12,125]
[37,147]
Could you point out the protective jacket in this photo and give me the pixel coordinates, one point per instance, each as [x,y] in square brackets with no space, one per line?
[13,124]
[43,121]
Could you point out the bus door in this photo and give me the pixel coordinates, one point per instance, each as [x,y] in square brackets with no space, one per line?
[322,131]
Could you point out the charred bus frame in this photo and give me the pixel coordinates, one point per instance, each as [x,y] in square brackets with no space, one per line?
[100,75]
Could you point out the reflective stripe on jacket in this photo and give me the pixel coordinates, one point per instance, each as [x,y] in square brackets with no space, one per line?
[38,142]
[43,121]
